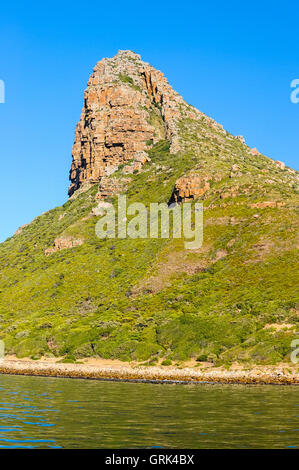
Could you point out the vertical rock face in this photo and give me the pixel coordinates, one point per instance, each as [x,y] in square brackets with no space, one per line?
[128,105]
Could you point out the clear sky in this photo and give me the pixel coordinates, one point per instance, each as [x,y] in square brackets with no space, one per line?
[232,60]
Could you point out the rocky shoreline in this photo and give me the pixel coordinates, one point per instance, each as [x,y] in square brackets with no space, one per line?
[154,374]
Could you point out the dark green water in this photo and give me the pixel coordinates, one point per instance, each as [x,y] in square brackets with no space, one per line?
[69,413]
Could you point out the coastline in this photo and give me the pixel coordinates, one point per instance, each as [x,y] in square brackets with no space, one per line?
[113,370]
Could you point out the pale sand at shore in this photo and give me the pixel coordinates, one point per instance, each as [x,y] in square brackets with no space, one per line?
[105,369]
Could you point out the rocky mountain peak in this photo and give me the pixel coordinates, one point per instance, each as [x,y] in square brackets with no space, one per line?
[128,106]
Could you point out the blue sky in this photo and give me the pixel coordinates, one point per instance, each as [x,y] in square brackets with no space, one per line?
[233,60]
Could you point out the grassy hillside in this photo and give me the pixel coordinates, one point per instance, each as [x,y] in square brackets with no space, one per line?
[234,299]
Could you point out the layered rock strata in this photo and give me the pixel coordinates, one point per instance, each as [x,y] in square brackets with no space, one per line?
[128,106]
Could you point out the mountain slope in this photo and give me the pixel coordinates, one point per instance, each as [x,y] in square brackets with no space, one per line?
[66,292]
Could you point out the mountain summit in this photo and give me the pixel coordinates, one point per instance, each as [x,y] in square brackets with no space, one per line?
[126,104]
[65,292]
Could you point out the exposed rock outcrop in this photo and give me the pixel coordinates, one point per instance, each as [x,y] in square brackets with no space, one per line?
[280,165]
[110,186]
[128,105]
[63,243]
[254,151]
[190,187]
[266,204]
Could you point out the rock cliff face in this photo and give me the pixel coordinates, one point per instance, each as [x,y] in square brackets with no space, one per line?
[128,105]
[189,188]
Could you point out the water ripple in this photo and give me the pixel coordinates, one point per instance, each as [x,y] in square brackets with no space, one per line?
[94,414]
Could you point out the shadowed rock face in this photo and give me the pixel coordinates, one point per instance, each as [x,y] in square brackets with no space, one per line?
[127,106]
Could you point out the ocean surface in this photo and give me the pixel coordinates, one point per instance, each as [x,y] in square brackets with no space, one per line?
[38,412]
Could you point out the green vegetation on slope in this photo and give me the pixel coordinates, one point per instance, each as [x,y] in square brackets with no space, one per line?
[232,300]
